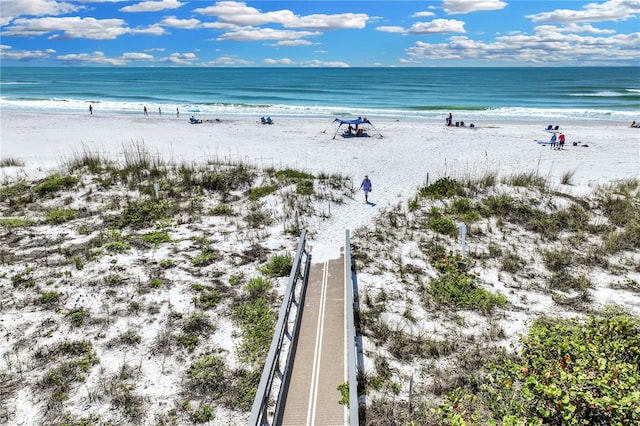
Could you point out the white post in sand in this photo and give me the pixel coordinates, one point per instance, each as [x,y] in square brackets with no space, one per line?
[463,233]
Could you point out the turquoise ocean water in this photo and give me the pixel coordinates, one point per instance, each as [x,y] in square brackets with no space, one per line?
[553,94]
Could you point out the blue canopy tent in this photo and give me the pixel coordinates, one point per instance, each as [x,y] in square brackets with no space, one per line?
[357,128]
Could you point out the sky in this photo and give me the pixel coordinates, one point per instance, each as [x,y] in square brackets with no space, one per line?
[335,33]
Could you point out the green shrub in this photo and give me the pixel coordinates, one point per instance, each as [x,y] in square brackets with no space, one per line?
[157,237]
[258,287]
[155,283]
[257,321]
[49,298]
[443,225]
[141,213]
[77,316]
[221,210]
[455,286]
[304,187]
[11,223]
[261,191]
[278,266]
[116,247]
[55,183]
[207,257]
[58,216]
[293,175]
[207,376]
[568,372]
[445,187]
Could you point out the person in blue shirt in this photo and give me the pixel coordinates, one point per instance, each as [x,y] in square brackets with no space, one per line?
[366,186]
[553,141]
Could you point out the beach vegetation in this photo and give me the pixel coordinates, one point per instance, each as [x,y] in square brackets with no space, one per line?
[207,376]
[11,223]
[55,183]
[568,371]
[207,298]
[167,263]
[77,316]
[529,180]
[86,160]
[258,287]
[456,286]
[442,225]
[11,162]
[257,217]
[261,191]
[278,266]
[256,320]
[445,187]
[567,177]
[142,213]
[156,237]
[304,187]
[59,216]
[290,175]
[49,298]
[207,256]
[221,209]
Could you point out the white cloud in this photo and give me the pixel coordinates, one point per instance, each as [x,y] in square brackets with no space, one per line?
[391,29]
[454,7]
[259,34]
[172,21]
[24,55]
[136,56]
[91,58]
[75,27]
[292,43]
[422,14]
[14,8]
[613,10]
[69,27]
[239,13]
[152,6]
[546,46]
[437,26]
[179,58]
[229,61]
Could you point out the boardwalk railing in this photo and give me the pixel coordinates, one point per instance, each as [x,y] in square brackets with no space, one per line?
[267,405]
[352,354]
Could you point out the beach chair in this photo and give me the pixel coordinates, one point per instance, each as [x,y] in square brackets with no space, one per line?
[549,127]
[269,120]
[263,120]
[556,128]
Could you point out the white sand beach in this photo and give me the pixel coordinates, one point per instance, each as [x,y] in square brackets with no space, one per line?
[409,153]
[397,164]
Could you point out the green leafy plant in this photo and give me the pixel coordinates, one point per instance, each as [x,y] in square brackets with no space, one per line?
[278,266]
[58,216]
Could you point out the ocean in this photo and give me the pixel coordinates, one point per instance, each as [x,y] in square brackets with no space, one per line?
[552,94]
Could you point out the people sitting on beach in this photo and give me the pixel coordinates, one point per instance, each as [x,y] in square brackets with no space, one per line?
[349,130]
[194,120]
[634,124]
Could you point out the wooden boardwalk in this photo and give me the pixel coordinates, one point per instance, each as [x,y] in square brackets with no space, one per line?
[319,366]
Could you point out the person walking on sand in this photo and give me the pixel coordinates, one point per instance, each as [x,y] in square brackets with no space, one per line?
[553,141]
[366,187]
[159,111]
[177,112]
[90,109]
[450,119]
[145,110]
[561,140]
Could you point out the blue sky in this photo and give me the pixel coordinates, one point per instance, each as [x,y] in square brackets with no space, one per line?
[319,33]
